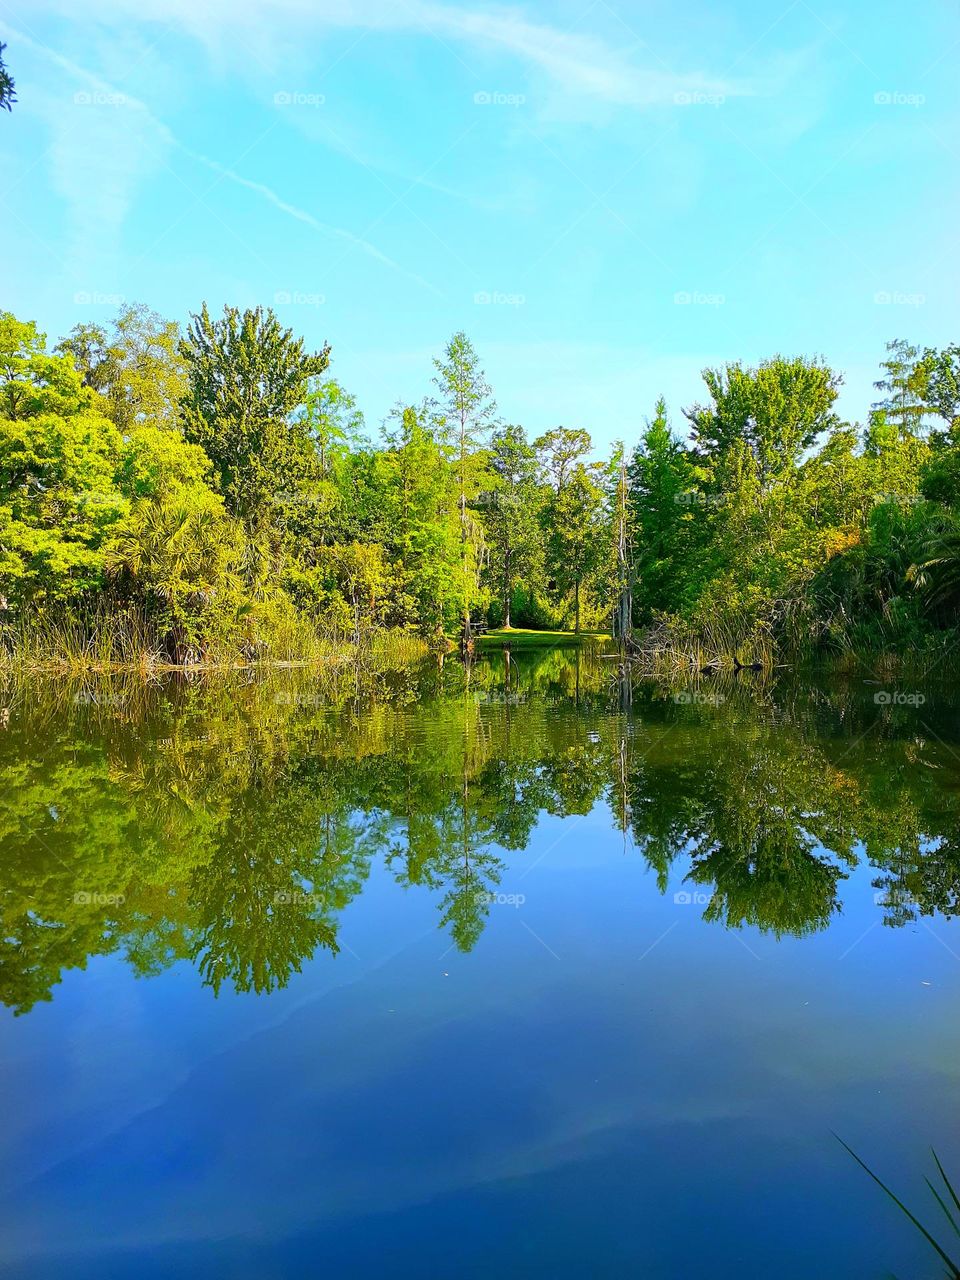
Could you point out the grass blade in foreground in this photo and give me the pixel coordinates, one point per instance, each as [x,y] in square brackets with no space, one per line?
[953,1270]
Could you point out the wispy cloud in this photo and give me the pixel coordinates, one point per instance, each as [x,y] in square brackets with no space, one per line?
[97,168]
[574,62]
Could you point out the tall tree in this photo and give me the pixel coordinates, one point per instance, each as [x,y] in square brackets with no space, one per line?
[135,365]
[902,384]
[422,524]
[470,411]
[622,543]
[940,375]
[773,413]
[575,532]
[246,375]
[513,530]
[663,503]
[333,421]
[559,450]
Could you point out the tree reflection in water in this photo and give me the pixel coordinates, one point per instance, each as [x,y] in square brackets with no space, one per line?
[230,823]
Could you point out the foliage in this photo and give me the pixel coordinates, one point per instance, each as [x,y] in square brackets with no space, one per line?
[219,489]
[8,92]
[135,366]
[246,376]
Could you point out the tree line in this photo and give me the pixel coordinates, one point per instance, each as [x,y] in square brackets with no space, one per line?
[214,491]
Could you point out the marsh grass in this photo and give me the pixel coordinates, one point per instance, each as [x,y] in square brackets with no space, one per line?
[673,647]
[114,642]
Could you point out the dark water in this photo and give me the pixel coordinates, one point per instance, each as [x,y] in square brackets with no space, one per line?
[497,974]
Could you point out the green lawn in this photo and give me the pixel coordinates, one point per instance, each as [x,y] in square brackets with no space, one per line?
[522,638]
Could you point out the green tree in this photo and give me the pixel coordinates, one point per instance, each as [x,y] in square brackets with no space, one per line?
[182,555]
[423,525]
[514,533]
[59,503]
[135,366]
[332,420]
[902,384]
[33,380]
[664,504]
[361,576]
[939,373]
[765,417]
[469,410]
[246,376]
[575,534]
[559,450]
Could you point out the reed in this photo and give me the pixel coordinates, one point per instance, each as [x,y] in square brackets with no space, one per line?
[126,641]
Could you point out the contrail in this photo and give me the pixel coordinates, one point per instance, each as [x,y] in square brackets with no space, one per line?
[267,193]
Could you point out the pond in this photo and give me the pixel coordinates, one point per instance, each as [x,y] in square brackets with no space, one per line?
[523,970]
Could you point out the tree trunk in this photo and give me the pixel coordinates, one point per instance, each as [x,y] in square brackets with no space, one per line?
[576,614]
[507,592]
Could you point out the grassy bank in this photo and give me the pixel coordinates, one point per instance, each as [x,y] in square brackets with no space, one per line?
[522,638]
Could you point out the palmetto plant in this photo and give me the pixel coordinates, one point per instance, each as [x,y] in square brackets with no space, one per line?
[938,575]
[944,1198]
[184,554]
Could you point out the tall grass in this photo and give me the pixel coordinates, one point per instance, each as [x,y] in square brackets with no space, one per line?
[675,646]
[107,641]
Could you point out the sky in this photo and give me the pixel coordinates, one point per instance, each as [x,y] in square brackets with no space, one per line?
[606,197]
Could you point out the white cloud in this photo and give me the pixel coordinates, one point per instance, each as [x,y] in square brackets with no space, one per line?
[576,63]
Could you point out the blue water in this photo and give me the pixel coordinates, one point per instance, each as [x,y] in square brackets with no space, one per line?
[607,1084]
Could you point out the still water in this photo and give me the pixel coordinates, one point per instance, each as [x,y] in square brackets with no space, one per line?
[510,972]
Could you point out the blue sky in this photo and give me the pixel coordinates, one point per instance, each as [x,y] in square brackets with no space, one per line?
[606,197]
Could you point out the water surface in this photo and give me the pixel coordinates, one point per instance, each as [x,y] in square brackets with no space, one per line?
[509,971]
